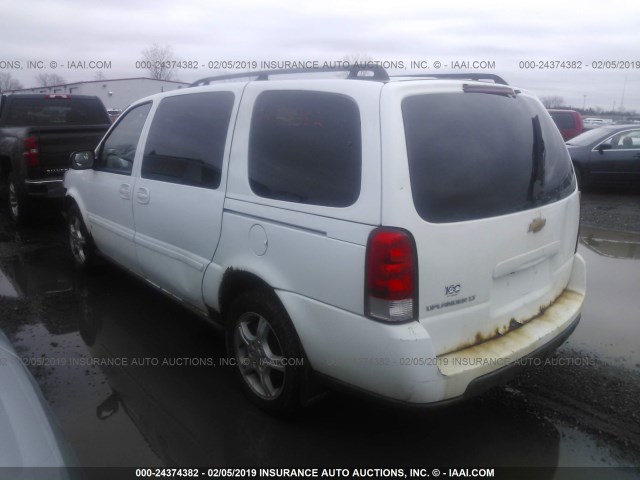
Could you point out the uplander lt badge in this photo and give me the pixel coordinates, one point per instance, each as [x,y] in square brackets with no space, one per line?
[452,290]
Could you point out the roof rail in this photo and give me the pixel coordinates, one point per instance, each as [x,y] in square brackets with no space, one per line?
[463,76]
[379,74]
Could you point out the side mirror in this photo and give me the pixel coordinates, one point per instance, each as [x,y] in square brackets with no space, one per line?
[604,146]
[82,160]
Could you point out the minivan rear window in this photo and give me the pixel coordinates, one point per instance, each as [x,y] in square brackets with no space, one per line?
[479,155]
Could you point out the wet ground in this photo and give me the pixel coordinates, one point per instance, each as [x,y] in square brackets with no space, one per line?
[135,380]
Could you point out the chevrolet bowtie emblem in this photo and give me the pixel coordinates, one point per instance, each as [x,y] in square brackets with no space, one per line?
[537,224]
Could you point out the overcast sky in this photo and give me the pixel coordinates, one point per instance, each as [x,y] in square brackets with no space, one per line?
[506,33]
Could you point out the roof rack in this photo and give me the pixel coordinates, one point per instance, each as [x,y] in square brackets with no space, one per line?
[463,76]
[379,74]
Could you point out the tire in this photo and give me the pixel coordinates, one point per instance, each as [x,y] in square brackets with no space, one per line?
[269,362]
[20,205]
[81,246]
[580,178]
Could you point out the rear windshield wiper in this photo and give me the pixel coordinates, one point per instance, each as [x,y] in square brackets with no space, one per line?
[536,184]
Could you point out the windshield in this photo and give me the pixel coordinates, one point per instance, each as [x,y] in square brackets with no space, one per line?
[590,136]
[478,155]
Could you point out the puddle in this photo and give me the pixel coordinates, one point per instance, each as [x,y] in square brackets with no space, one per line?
[581,456]
[129,411]
[610,325]
[611,244]
[6,287]
[74,388]
[45,272]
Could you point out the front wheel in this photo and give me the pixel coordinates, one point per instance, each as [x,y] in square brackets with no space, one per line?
[80,243]
[266,351]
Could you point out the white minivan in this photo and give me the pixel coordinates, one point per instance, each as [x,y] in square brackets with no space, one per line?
[411,238]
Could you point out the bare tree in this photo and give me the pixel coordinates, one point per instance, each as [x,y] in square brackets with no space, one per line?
[100,75]
[7,82]
[159,61]
[357,58]
[49,79]
[361,60]
[553,101]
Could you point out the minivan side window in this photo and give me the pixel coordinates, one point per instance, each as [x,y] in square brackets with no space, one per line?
[187,138]
[119,148]
[305,147]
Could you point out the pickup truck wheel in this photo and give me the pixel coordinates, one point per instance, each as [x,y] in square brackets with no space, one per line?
[80,243]
[19,204]
[267,353]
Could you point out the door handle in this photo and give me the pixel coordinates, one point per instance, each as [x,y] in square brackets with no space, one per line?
[124,191]
[142,195]
[637,155]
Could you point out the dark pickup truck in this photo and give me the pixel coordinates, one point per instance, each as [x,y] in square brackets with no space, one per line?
[38,132]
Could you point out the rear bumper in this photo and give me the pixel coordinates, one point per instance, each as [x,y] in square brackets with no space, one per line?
[45,187]
[478,385]
[508,372]
[483,365]
[397,362]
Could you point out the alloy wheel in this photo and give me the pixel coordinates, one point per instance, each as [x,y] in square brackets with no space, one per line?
[259,356]
[77,240]
[13,200]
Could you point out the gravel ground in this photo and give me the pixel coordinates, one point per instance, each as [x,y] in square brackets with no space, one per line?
[611,211]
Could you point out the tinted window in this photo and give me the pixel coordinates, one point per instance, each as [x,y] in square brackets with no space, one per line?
[476,155]
[305,147]
[564,120]
[624,140]
[187,138]
[119,149]
[56,111]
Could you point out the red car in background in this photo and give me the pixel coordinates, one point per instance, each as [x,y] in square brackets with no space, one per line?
[569,122]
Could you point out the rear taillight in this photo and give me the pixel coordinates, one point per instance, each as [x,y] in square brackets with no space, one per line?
[391,284]
[31,153]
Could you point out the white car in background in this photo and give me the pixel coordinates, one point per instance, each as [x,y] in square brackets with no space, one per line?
[590,123]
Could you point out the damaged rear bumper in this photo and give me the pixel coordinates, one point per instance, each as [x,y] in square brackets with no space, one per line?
[480,367]
[474,369]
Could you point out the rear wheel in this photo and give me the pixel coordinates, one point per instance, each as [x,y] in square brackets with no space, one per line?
[81,245]
[266,351]
[20,208]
